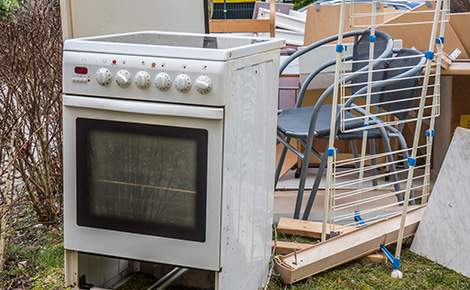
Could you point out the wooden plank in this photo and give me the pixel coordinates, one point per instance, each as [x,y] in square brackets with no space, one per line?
[302,228]
[461,24]
[418,35]
[239,25]
[344,248]
[457,68]
[284,248]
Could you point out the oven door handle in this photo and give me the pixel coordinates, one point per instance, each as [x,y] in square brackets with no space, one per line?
[149,108]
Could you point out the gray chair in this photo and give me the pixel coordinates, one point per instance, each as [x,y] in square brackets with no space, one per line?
[397,89]
[314,122]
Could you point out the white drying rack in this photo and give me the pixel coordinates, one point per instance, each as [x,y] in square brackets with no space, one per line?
[362,201]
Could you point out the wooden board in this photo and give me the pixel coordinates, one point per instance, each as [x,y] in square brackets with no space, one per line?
[284,248]
[457,68]
[239,25]
[461,24]
[302,228]
[246,25]
[418,35]
[344,248]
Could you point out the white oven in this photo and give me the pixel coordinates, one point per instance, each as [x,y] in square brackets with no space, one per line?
[152,128]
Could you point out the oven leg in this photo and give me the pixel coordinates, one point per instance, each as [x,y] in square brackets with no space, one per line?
[71,269]
[166,280]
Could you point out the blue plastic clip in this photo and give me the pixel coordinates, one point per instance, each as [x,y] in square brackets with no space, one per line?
[395,261]
[357,218]
[341,48]
[372,38]
[366,125]
[429,54]
[332,152]
[440,40]
[411,161]
[429,132]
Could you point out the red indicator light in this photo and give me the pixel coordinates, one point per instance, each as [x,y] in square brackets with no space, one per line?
[114,61]
[81,70]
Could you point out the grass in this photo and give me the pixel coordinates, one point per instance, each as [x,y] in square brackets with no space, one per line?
[418,273]
[36,259]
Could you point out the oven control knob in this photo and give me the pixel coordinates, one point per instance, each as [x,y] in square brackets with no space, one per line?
[203,85]
[123,78]
[183,83]
[142,80]
[104,76]
[163,81]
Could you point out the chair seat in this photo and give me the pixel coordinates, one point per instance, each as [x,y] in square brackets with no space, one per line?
[371,134]
[295,122]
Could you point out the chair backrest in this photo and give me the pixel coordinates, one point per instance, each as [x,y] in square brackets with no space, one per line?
[395,96]
[361,57]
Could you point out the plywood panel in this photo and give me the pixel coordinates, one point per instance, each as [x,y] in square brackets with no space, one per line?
[289,162]
[325,23]
[461,24]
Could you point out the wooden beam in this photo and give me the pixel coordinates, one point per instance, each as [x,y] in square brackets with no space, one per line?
[344,248]
[272,18]
[288,247]
[239,25]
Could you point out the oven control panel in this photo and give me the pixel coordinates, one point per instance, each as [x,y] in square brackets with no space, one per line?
[146,78]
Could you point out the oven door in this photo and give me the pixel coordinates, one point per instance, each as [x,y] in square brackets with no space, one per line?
[143,180]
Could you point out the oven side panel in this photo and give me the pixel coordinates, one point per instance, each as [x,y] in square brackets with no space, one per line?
[248,176]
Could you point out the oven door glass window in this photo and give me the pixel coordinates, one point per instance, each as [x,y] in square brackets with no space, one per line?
[141,178]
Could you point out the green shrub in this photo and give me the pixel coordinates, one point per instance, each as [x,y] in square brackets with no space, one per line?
[7,7]
[301,3]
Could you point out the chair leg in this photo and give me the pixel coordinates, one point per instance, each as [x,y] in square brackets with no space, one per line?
[404,146]
[355,152]
[303,176]
[388,149]
[373,161]
[316,185]
[282,157]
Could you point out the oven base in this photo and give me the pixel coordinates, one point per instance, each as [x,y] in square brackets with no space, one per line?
[85,271]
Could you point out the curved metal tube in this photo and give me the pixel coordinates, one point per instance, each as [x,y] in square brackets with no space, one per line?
[315,45]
